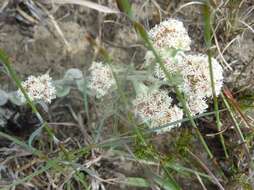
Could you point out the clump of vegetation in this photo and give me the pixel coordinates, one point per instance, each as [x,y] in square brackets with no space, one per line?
[144,124]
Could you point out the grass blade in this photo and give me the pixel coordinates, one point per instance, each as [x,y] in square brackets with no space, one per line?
[167,184]
[237,126]
[22,144]
[124,6]
[136,182]
[208,39]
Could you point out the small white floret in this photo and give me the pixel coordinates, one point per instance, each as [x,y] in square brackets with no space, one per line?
[101,79]
[38,89]
[155,109]
[173,62]
[197,105]
[170,33]
[198,74]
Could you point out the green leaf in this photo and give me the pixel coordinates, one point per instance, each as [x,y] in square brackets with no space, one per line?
[140,88]
[125,6]
[61,88]
[73,74]
[141,31]
[3,56]
[82,85]
[80,177]
[14,98]
[36,133]
[136,182]
[207,24]
[166,184]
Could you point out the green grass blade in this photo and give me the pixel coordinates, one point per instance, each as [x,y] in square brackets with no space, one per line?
[238,129]
[22,144]
[167,184]
[208,39]
[136,182]
[124,6]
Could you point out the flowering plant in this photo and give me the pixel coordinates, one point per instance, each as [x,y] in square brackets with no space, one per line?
[189,70]
[153,106]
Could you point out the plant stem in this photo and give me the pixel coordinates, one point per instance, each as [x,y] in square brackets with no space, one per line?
[208,38]
[238,130]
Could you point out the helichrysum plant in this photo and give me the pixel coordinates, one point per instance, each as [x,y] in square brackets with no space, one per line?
[170,33]
[194,79]
[39,88]
[190,72]
[100,80]
[43,89]
[155,109]
[173,61]
[152,106]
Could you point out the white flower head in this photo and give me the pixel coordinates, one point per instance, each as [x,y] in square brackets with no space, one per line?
[170,33]
[101,79]
[155,109]
[199,74]
[195,75]
[38,89]
[173,62]
[173,114]
[193,68]
[197,104]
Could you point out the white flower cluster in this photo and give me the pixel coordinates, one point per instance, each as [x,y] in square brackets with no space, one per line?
[155,109]
[190,71]
[195,74]
[197,70]
[173,63]
[38,89]
[198,82]
[170,33]
[101,79]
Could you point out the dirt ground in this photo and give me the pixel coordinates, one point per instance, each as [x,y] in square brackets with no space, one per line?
[38,48]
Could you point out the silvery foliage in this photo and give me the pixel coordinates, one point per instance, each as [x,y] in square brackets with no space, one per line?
[73,78]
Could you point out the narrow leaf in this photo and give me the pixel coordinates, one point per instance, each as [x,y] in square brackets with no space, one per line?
[167,184]
[141,31]
[136,182]
[124,6]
